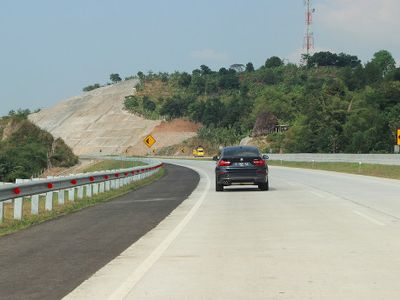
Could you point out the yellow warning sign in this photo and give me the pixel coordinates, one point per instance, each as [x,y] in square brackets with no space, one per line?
[149,141]
[398,136]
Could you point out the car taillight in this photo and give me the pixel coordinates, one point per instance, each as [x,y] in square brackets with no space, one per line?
[224,163]
[259,162]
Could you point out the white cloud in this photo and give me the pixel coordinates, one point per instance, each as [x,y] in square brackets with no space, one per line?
[209,55]
[375,20]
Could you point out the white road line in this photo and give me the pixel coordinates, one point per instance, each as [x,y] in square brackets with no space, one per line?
[369,218]
[123,290]
[318,194]
[156,200]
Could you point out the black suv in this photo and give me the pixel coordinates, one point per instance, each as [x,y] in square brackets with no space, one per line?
[241,165]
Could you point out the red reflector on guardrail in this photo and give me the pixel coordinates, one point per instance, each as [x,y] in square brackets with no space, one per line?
[50,185]
[74,181]
[91,178]
[126,174]
[117,175]
[106,177]
[17,191]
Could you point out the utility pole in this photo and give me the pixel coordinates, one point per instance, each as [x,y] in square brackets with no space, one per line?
[309,37]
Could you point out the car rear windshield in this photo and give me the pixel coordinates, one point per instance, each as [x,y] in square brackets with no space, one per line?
[242,152]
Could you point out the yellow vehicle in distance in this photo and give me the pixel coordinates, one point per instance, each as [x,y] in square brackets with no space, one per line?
[198,152]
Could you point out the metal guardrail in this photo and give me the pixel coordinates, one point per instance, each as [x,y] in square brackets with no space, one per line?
[93,183]
[44,186]
[381,159]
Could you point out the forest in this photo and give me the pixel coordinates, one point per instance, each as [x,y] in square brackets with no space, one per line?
[331,103]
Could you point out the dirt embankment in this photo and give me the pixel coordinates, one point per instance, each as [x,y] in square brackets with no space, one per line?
[96,122]
[166,134]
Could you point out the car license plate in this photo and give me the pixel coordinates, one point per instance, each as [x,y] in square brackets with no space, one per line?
[242,164]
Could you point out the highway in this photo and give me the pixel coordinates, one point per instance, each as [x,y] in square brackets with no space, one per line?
[314,235]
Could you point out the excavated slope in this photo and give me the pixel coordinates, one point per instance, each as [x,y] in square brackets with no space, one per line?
[96,121]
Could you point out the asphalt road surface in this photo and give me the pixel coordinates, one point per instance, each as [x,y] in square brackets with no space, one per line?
[49,260]
[314,235]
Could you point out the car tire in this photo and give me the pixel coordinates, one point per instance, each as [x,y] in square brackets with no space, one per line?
[218,187]
[264,186]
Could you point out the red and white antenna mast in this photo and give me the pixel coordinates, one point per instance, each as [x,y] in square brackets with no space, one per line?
[309,38]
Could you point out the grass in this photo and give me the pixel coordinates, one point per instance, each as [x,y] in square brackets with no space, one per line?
[112,165]
[10,225]
[385,171]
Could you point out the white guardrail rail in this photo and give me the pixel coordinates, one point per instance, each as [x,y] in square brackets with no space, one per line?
[381,159]
[71,186]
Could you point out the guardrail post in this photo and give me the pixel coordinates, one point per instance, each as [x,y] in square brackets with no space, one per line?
[95,189]
[1,211]
[49,201]
[71,195]
[18,207]
[18,203]
[107,186]
[35,204]
[88,190]
[61,197]
[80,192]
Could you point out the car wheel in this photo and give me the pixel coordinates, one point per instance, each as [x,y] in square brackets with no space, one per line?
[218,187]
[264,186]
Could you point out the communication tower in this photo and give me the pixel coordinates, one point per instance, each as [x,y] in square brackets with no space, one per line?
[309,37]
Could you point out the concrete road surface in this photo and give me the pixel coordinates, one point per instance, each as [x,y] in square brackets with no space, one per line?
[314,235]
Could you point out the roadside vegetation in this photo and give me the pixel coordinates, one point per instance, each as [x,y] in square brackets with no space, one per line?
[26,150]
[115,78]
[10,225]
[384,171]
[112,165]
[332,104]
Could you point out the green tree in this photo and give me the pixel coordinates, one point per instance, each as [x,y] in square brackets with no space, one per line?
[273,62]
[184,80]
[326,58]
[385,62]
[205,70]
[141,75]
[91,87]
[148,104]
[198,84]
[249,67]
[115,78]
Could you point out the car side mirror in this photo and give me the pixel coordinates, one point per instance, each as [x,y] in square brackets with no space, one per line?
[265,157]
[215,158]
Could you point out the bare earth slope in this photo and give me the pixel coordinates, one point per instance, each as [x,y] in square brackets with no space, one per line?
[96,121]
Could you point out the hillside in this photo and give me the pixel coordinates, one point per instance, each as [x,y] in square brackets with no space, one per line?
[332,104]
[26,150]
[96,121]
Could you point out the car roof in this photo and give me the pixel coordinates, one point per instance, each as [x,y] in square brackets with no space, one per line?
[240,147]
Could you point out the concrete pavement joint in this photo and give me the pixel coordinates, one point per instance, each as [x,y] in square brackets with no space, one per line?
[369,218]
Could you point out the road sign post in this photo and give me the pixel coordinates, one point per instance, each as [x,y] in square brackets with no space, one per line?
[149,141]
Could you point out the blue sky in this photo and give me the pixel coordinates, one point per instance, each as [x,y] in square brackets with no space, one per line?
[50,49]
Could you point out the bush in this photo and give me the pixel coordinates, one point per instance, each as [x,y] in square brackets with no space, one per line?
[91,87]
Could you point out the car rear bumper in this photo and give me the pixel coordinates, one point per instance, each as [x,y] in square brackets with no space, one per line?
[227,178]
